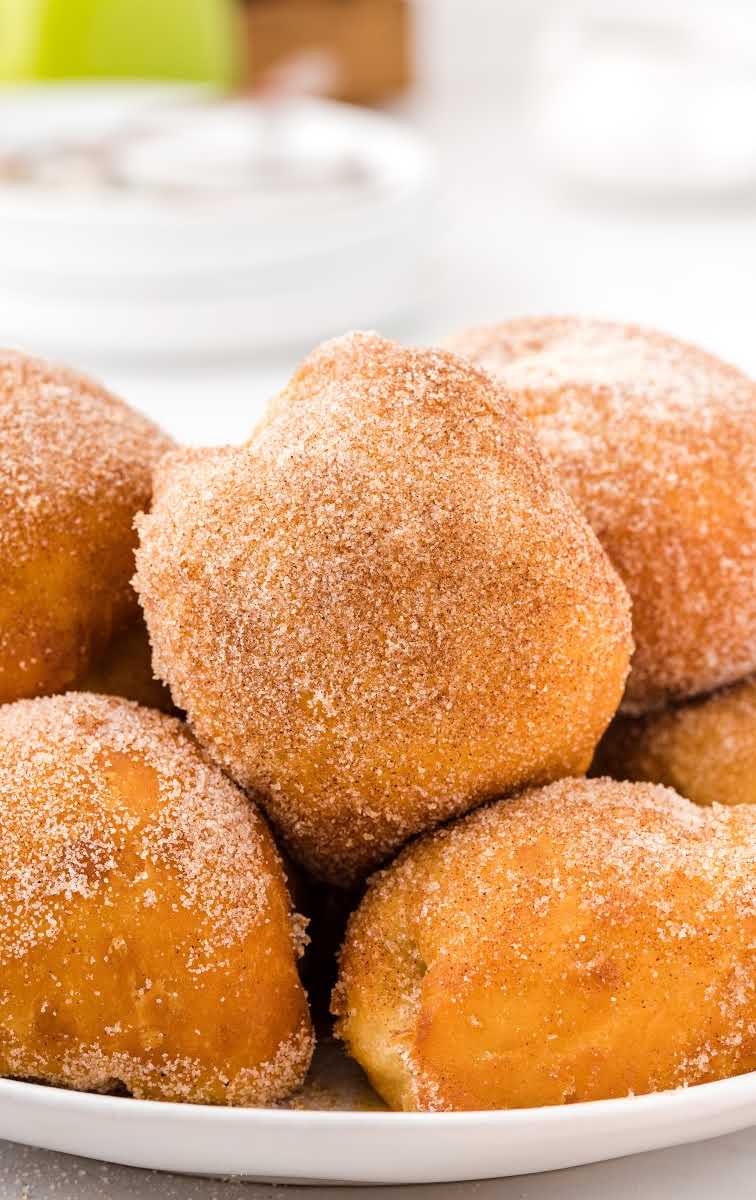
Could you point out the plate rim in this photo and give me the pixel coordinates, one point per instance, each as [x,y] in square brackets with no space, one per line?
[50,1095]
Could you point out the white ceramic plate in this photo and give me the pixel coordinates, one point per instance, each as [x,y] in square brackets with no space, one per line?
[367,1147]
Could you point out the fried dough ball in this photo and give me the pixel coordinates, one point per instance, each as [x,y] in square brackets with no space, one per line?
[383,609]
[706,749]
[587,940]
[656,441]
[125,669]
[146,940]
[76,467]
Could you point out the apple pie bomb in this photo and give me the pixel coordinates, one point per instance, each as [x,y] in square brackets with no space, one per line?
[146,938]
[585,940]
[76,467]
[384,608]
[706,749]
[655,440]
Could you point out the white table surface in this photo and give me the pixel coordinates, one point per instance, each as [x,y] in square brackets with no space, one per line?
[510,242]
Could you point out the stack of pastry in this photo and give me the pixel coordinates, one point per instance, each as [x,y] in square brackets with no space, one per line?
[407,608]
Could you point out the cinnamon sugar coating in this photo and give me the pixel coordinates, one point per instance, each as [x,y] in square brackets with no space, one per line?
[146,940]
[383,609]
[705,749]
[587,940]
[656,441]
[75,468]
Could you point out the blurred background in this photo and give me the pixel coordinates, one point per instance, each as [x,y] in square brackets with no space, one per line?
[194,192]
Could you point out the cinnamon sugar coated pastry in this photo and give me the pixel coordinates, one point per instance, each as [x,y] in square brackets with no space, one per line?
[76,466]
[656,441]
[146,940]
[706,749]
[588,940]
[384,608]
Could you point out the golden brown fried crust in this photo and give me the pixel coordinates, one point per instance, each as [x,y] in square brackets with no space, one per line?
[383,609]
[656,441]
[587,940]
[146,940]
[705,749]
[76,466]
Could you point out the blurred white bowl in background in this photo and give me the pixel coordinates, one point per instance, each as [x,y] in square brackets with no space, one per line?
[140,222]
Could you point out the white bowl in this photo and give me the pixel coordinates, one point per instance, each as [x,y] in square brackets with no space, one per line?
[187,255]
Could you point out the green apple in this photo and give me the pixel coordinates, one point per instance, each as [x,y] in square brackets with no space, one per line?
[137,39]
